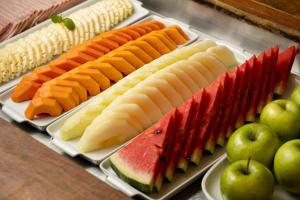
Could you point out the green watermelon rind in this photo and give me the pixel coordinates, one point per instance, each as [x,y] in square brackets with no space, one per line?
[146,188]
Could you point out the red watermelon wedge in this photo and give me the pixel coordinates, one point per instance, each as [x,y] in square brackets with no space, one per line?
[141,163]
[274,58]
[183,116]
[283,68]
[191,130]
[246,94]
[228,107]
[215,91]
[256,74]
[265,60]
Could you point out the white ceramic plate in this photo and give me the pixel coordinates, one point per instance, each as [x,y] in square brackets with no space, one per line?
[211,183]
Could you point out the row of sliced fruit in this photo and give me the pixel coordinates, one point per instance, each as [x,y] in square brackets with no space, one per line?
[41,46]
[203,121]
[140,99]
[54,89]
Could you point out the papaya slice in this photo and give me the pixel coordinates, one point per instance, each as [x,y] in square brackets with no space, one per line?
[180,31]
[115,38]
[145,28]
[130,57]
[51,88]
[165,39]
[95,74]
[156,43]
[78,57]
[158,23]
[50,71]
[43,106]
[145,46]
[138,52]
[24,91]
[133,33]
[64,63]
[153,26]
[64,99]
[119,63]
[139,30]
[124,35]
[175,35]
[86,81]
[35,77]
[107,69]
[96,46]
[80,90]
[88,51]
[106,42]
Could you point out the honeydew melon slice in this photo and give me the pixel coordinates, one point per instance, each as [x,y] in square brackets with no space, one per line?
[184,77]
[156,96]
[224,55]
[176,83]
[152,111]
[105,134]
[210,62]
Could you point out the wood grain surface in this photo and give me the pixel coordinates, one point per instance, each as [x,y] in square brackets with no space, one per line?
[30,170]
[277,15]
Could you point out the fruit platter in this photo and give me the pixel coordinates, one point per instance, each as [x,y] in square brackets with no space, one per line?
[154,103]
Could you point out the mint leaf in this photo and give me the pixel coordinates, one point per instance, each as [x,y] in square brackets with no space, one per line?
[56,19]
[69,23]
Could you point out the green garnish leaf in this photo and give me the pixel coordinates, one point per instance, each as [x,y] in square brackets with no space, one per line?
[69,23]
[56,19]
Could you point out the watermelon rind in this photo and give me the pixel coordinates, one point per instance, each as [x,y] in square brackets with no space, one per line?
[144,184]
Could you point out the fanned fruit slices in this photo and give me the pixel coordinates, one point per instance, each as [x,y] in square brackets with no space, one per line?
[76,124]
[201,122]
[78,55]
[95,76]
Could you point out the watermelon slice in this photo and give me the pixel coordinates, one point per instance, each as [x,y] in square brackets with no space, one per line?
[238,77]
[228,107]
[265,60]
[274,58]
[215,91]
[256,73]
[283,68]
[183,116]
[246,94]
[141,162]
[190,130]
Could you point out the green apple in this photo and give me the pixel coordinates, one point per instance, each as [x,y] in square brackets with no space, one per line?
[253,140]
[242,180]
[295,96]
[287,166]
[283,117]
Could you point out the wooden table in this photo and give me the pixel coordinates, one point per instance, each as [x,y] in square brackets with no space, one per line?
[30,170]
[277,15]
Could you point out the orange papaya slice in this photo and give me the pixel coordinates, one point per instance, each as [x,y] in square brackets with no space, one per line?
[129,57]
[64,63]
[106,43]
[175,35]
[43,106]
[24,91]
[145,46]
[138,52]
[165,39]
[156,44]
[119,63]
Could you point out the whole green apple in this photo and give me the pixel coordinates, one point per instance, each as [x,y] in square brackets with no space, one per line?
[253,140]
[242,180]
[287,166]
[295,96]
[283,117]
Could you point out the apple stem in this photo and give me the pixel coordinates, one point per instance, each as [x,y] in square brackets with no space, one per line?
[248,163]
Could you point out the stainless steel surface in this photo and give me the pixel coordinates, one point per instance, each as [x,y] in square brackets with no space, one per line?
[209,21]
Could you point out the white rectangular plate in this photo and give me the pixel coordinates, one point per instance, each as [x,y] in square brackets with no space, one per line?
[70,147]
[210,183]
[16,110]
